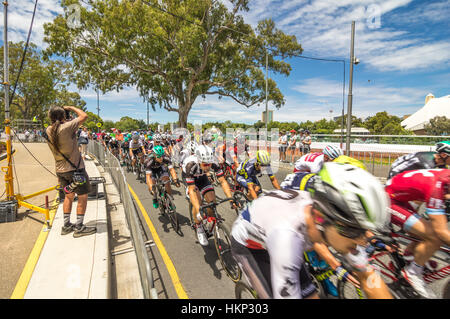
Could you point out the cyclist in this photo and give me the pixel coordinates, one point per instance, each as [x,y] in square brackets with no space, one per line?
[313,162]
[188,151]
[422,160]
[432,187]
[247,170]
[270,236]
[156,165]
[228,156]
[136,150]
[194,170]
[114,147]
[125,147]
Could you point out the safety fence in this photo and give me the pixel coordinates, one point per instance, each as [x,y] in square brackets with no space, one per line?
[25,138]
[111,165]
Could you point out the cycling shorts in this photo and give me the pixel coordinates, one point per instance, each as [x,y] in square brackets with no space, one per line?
[201,182]
[403,215]
[136,151]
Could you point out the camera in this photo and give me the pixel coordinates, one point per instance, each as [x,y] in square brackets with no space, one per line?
[68,116]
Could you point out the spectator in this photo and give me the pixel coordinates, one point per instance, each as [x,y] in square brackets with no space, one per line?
[284,140]
[69,165]
[299,143]
[307,142]
[83,141]
[291,141]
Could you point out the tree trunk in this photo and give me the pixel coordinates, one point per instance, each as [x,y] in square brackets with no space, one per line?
[183,115]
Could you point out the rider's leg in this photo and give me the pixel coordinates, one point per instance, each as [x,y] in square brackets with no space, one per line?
[166,182]
[439,225]
[419,227]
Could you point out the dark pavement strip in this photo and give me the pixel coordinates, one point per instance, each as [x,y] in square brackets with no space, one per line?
[198,267]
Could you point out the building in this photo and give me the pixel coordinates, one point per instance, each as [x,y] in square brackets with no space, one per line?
[354,130]
[270,116]
[433,107]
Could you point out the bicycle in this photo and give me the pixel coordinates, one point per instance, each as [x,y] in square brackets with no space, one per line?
[214,226]
[166,205]
[390,270]
[243,290]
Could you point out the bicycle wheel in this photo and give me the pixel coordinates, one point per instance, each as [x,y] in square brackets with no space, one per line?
[243,291]
[222,241]
[172,214]
[347,291]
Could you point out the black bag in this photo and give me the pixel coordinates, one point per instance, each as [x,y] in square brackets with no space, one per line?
[79,178]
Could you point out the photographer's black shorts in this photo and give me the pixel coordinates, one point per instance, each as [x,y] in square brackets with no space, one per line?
[66,178]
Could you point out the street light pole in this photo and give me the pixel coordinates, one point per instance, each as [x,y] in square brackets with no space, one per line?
[349,107]
[98,110]
[9,183]
[267,88]
[147,116]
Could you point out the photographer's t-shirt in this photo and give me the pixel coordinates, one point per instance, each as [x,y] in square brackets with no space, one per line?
[68,145]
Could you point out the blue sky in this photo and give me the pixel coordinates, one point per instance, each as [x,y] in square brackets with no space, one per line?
[403,46]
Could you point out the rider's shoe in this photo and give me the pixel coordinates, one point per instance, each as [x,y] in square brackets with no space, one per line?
[201,235]
[417,282]
[155,203]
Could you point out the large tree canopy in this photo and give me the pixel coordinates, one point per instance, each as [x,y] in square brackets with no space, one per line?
[172,60]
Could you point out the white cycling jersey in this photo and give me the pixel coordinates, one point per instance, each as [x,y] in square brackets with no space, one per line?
[276,223]
[311,162]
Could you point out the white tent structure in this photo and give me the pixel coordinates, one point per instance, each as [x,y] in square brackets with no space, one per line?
[433,107]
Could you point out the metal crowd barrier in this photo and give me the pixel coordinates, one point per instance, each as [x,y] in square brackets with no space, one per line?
[112,166]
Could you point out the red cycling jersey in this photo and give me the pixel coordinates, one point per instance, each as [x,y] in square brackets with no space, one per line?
[424,185]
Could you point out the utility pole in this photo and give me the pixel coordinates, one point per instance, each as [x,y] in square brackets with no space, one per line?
[349,107]
[98,110]
[9,183]
[147,116]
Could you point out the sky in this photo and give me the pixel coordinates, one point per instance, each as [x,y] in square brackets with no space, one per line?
[403,47]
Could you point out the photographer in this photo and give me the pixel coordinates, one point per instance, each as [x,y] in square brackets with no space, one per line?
[70,169]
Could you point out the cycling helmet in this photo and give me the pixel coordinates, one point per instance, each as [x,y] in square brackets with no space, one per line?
[204,154]
[343,159]
[332,151]
[135,137]
[352,197]
[306,131]
[443,147]
[207,138]
[192,146]
[263,158]
[158,150]
[157,137]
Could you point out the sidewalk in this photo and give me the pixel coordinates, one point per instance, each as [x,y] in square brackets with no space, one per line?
[75,268]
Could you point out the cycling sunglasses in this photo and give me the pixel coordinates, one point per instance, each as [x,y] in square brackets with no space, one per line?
[206,164]
[350,232]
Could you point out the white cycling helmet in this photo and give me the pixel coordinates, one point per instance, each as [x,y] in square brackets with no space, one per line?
[352,197]
[332,151]
[192,146]
[204,154]
[157,137]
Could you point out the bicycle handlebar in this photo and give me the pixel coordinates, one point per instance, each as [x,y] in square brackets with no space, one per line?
[216,203]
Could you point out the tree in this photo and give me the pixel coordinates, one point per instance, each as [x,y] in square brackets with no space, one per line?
[41,83]
[383,123]
[439,125]
[199,48]
[92,120]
